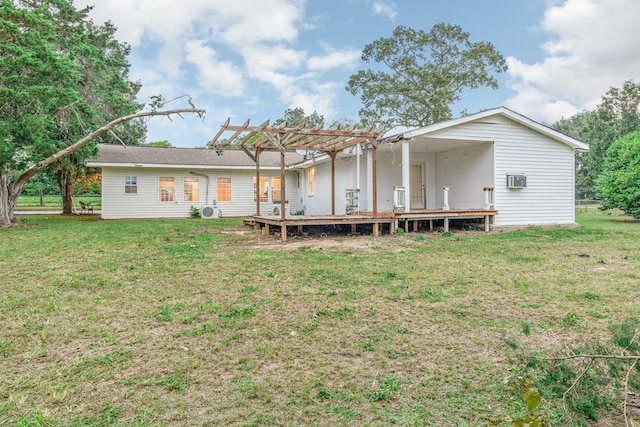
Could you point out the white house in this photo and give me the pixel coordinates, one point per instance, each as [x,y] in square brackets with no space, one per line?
[527,169]
[495,164]
[157,182]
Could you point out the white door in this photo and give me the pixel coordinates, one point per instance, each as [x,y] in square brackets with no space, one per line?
[416,182]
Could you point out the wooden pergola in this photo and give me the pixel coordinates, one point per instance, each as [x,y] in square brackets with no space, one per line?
[253,140]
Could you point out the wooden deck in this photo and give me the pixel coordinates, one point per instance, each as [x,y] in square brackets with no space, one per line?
[300,221]
[410,219]
[414,217]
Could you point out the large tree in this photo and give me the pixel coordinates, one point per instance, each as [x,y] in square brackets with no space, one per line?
[55,97]
[424,74]
[103,85]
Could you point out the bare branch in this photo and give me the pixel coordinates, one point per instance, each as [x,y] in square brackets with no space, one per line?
[627,420]
[593,356]
[117,137]
[575,382]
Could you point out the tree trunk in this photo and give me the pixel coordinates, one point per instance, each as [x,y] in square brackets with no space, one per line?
[8,197]
[66,182]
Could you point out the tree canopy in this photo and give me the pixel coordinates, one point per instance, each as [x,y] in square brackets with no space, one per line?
[63,84]
[297,116]
[617,115]
[619,182]
[426,72]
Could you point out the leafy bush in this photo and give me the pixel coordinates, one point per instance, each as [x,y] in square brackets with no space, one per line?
[619,182]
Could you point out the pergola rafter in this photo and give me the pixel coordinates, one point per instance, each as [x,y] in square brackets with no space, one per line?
[282,138]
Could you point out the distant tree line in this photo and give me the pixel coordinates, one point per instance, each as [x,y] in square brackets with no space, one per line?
[610,170]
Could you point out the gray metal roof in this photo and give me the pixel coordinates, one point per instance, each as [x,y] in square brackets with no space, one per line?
[115,155]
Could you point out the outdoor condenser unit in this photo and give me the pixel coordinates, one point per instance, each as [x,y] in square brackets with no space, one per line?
[208,212]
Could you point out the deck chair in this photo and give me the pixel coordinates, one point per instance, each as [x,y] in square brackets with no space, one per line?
[86,207]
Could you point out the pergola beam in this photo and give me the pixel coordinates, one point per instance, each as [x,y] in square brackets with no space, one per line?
[283,138]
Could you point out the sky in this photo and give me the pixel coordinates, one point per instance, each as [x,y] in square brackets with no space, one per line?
[254,59]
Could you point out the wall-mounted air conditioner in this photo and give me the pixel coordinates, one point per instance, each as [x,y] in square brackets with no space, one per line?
[516,181]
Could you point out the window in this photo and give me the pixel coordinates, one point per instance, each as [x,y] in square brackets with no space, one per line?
[264,189]
[311,178]
[224,189]
[276,190]
[130,185]
[167,189]
[191,189]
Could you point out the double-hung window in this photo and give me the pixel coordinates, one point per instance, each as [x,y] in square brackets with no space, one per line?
[224,189]
[191,189]
[130,185]
[311,175]
[262,189]
[276,190]
[166,189]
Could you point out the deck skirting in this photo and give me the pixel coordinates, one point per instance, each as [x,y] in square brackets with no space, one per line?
[393,219]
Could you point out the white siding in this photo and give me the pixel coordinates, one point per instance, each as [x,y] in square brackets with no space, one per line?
[145,203]
[465,172]
[548,164]
[320,202]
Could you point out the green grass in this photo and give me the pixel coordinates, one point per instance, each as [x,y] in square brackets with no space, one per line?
[190,322]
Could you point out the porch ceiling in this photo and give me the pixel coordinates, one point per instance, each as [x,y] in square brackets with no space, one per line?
[433,145]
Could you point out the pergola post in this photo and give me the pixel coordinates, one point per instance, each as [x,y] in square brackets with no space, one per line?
[257,193]
[283,187]
[332,154]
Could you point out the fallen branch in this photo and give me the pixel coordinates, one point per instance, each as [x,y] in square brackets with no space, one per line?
[592,358]
[104,129]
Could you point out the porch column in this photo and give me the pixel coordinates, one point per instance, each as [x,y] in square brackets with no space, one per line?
[369,206]
[406,175]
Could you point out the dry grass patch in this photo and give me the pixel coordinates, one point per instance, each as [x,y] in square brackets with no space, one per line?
[185,322]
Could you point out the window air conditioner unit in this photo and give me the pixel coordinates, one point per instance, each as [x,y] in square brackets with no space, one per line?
[208,212]
[517,181]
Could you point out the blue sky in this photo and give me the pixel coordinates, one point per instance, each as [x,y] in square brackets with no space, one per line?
[253,59]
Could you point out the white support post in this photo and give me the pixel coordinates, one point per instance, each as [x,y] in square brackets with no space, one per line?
[445,205]
[399,199]
[369,206]
[488,198]
[406,175]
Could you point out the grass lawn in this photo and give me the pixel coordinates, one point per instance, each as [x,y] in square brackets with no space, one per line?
[194,322]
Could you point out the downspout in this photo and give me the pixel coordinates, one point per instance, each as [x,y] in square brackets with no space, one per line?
[206,196]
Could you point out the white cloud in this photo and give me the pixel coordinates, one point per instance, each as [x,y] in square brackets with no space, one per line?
[245,49]
[592,48]
[215,76]
[387,9]
[315,97]
[336,59]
